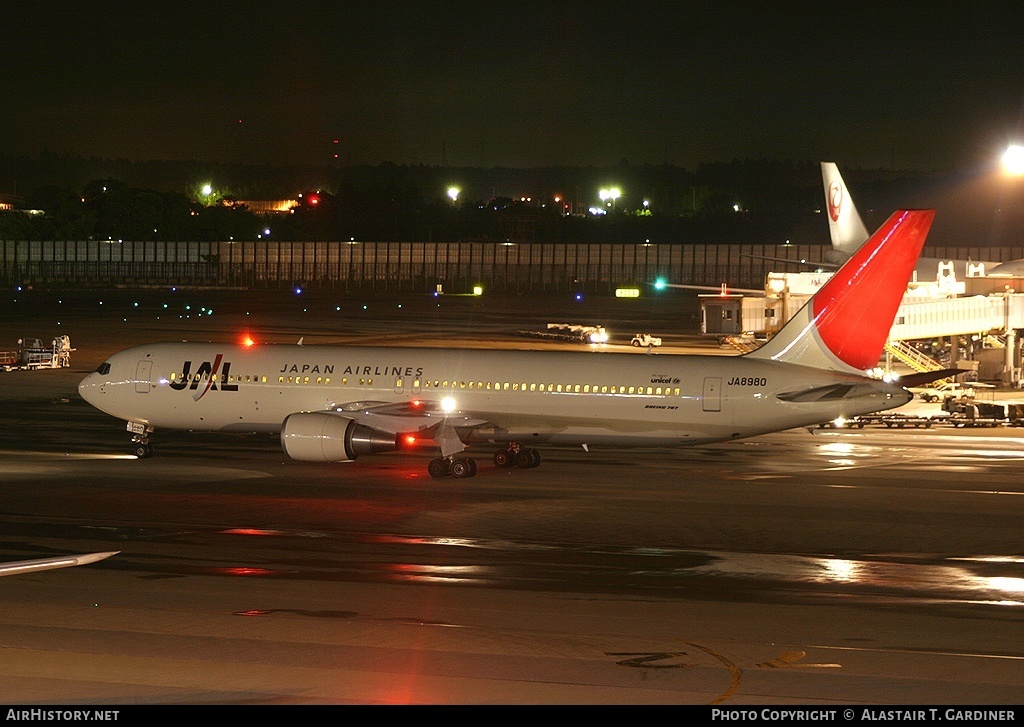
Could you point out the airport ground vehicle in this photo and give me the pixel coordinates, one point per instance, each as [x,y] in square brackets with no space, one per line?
[944,389]
[32,354]
[644,340]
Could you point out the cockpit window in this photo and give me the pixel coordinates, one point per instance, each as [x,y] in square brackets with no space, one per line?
[104,368]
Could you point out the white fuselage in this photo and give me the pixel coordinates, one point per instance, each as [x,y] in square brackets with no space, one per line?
[492,395]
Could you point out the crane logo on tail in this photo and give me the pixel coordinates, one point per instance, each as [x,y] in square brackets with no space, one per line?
[835,200]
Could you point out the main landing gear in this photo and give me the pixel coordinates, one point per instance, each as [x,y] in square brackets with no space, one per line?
[515,456]
[458,468]
[461,467]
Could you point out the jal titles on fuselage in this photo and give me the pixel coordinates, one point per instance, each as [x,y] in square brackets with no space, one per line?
[358,370]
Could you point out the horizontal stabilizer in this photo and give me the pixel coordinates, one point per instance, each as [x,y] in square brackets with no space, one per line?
[829,393]
[927,377]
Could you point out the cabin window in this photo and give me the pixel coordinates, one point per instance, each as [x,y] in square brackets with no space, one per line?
[327,380]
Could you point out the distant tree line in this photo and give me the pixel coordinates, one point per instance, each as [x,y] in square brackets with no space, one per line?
[736,202]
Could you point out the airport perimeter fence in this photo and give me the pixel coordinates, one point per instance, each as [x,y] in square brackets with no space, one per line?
[409,266]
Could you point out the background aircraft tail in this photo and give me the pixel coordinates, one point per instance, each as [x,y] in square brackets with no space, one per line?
[845,325]
[845,226]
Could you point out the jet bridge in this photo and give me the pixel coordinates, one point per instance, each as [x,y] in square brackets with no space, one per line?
[923,315]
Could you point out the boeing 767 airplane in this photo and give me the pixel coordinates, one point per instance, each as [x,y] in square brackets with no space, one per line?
[337,403]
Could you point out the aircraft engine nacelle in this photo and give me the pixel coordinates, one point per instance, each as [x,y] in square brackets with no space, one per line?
[324,437]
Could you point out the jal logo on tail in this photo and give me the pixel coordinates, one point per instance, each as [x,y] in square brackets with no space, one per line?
[207,374]
[835,200]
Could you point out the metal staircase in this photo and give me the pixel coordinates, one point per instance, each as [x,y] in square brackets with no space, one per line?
[913,358]
[743,344]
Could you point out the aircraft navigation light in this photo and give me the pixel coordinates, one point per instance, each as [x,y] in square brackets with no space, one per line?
[247,340]
[660,284]
[1013,160]
[448,404]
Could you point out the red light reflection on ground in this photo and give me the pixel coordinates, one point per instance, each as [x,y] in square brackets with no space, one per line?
[244,571]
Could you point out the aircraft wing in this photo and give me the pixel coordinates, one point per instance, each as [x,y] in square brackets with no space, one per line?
[806,263]
[723,289]
[17,567]
[452,429]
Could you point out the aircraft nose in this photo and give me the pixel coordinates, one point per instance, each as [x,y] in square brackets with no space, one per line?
[87,388]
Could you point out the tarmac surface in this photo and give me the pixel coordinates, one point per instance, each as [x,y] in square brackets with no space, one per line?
[859,567]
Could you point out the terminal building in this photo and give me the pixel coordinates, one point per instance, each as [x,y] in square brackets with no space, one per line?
[971,324]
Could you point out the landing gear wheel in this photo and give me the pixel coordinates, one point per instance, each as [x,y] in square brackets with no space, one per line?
[504,458]
[463,468]
[143,450]
[524,459]
[438,468]
[535,456]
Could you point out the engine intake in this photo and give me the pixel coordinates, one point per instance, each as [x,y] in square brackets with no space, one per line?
[323,437]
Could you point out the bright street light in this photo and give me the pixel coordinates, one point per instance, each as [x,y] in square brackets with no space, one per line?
[1013,160]
[608,196]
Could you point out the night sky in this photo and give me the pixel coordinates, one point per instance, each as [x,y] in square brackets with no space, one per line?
[518,84]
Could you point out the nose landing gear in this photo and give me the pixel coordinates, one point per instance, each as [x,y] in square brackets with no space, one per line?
[140,432]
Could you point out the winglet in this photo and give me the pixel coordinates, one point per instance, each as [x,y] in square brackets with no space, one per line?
[845,325]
